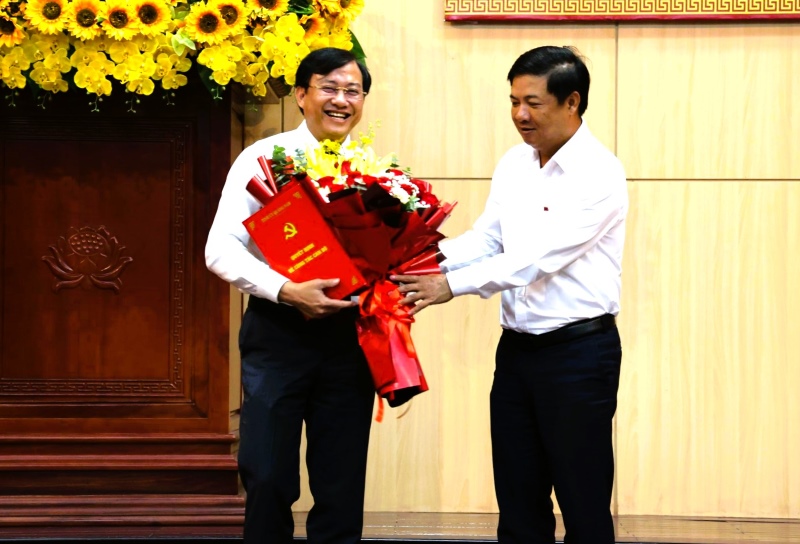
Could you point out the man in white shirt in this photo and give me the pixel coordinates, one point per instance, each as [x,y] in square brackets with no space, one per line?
[550,241]
[301,360]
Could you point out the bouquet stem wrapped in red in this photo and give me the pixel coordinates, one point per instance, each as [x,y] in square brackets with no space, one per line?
[385,221]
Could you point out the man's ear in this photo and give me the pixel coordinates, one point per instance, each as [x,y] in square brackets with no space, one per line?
[300,95]
[573,102]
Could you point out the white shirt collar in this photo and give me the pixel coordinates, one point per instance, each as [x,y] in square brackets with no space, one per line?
[569,155]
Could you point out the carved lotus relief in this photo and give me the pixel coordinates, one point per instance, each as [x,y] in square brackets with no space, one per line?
[86,257]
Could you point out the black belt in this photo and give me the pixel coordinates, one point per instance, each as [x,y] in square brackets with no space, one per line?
[566,333]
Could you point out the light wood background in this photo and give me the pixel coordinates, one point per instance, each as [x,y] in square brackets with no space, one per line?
[706,122]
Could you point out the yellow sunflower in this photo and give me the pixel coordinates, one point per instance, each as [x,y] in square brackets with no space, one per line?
[121,22]
[204,24]
[314,25]
[83,19]
[47,16]
[351,8]
[268,8]
[153,16]
[233,12]
[348,9]
[10,33]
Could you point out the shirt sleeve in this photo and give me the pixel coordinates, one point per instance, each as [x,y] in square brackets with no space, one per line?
[566,235]
[227,249]
[478,243]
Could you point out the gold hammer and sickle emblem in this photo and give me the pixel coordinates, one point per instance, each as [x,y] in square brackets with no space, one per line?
[289,230]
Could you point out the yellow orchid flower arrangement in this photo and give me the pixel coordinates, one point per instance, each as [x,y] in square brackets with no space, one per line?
[337,160]
[334,167]
[140,45]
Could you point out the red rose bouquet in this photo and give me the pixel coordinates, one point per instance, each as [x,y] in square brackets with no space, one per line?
[384,220]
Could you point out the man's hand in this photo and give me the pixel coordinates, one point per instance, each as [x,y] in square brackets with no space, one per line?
[310,299]
[423,290]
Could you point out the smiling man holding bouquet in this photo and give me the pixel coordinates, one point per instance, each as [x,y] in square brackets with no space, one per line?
[550,241]
[301,360]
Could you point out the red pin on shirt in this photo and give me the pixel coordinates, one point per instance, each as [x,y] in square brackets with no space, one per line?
[546,209]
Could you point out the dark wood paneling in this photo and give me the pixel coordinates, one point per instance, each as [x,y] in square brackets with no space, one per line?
[115,444]
[119,482]
[210,515]
[110,196]
[113,335]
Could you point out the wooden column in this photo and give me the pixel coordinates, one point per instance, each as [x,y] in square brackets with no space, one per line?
[114,338]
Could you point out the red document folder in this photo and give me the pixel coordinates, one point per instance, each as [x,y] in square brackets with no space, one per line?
[297,242]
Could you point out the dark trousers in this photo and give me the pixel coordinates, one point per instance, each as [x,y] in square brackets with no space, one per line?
[296,370]
[551,412]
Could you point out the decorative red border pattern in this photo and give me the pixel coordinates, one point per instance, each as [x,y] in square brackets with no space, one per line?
[617,10]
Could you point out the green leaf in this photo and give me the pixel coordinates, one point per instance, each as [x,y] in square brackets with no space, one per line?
[358,51]
[177,46]
[179,13]
[180,41]
[281,166]
[301,7]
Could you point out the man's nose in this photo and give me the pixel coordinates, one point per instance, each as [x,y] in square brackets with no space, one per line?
[339,97]
[521,114]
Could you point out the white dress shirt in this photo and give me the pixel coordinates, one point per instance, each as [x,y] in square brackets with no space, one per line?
[549,239]
[230,253]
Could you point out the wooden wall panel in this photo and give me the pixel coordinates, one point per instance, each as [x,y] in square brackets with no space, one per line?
[709,102]
[708,402]
[440,90]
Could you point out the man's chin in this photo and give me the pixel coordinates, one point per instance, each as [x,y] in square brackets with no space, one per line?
[337,133]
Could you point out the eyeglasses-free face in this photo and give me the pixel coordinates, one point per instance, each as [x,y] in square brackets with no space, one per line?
[543,123]
[332,103]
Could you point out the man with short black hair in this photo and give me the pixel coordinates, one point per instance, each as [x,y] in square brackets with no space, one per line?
[301,360]
[550,241]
